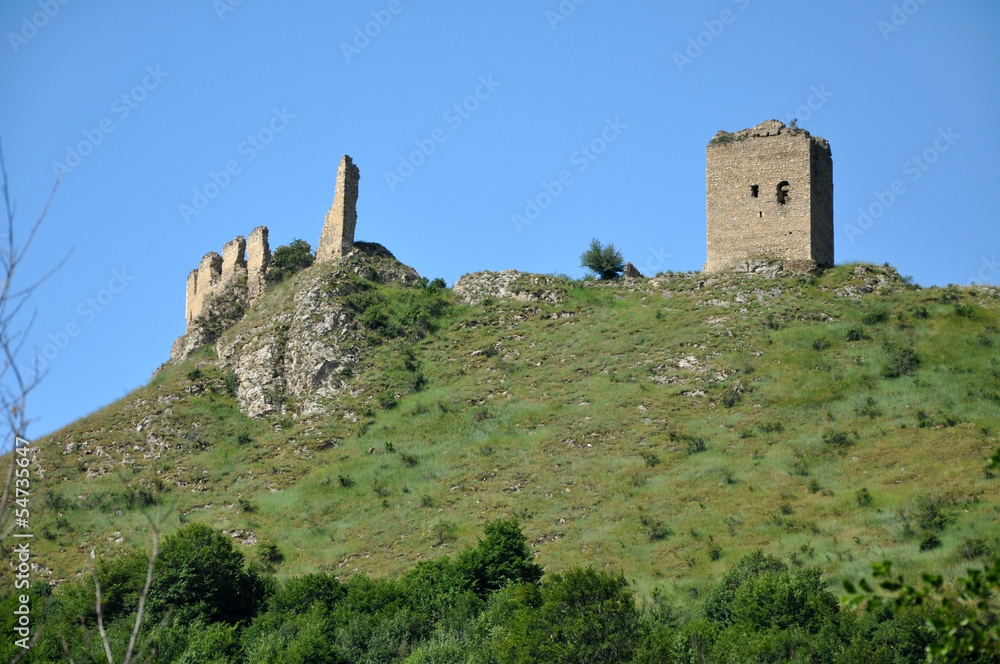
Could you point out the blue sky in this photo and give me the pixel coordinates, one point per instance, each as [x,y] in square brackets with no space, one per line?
[460,115]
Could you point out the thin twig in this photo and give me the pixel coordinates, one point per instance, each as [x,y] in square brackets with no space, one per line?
[155,526]
[100,616]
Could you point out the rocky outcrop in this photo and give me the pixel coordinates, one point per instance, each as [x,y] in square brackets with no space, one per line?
[220,312]
[304,343]
[867,279]
[510,284]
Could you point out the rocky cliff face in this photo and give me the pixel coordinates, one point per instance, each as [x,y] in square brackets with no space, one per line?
[301,341]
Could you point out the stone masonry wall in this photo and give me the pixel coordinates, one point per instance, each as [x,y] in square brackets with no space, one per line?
[234,263]
[337,238]
[207,281]
[233,267]
[769,194]
[258,258]
[192,291]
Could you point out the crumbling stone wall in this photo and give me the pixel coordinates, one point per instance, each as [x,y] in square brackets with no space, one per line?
[192,291]
[230,270]
[207,281]
[769,195]
[243,264]
[337,238]
[258,258]
[234,262]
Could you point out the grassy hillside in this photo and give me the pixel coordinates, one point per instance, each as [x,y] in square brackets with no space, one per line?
[662,428]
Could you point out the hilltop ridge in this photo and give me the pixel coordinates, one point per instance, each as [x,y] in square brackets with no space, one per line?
[360,418]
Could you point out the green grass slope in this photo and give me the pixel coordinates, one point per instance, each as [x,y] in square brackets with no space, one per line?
[662,428]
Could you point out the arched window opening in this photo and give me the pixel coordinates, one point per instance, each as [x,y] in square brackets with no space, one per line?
[782,192]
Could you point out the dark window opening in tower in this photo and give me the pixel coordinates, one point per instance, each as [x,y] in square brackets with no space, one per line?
[755,190]
[782,192]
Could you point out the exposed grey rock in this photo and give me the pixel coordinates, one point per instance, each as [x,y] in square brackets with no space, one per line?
[509,284]
[306,350]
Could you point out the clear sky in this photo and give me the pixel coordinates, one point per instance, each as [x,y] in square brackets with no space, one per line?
[460,115]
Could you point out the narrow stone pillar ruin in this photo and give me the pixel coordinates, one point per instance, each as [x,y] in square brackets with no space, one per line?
[208,277]
[192,292]
[234,262]
[338,229]
[258,258]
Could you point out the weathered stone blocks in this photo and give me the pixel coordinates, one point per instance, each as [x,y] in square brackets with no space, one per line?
[337,238]
[258,258]
[769,195]
[231,269]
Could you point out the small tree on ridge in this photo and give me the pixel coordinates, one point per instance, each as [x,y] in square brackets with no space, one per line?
[605,260]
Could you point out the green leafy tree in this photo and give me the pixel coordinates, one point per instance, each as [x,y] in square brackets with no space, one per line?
[501,558]
[605,260]
[289,259]
[199,573]
[580,616]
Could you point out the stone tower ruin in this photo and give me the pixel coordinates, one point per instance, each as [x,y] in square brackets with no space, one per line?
[769,195]
[337,238]
[241,270]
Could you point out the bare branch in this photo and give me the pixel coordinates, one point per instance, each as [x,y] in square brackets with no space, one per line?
[155,526]
[15,385]
[65,648]
[100,615]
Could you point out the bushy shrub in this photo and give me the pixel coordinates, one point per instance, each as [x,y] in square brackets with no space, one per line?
[289,259]
[932,514]
[875,317]
[655,529]
[837,440]
[902,360]
[821,344]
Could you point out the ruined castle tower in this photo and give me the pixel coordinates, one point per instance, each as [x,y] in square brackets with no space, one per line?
[234,262]
[258,258]
[338,229]
[242,261]
[770,195]
[201,284]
